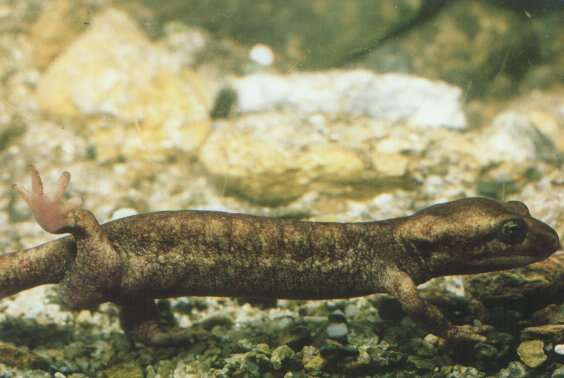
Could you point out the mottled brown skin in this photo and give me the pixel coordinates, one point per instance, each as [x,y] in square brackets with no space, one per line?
[132,261]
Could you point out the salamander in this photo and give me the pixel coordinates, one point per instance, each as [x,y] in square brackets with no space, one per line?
[134,260]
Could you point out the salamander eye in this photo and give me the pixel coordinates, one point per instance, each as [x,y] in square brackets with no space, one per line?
[513,231]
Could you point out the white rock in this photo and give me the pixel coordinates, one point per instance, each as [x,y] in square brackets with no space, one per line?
[387,97]
[262,55]
[513,138]
[337,330]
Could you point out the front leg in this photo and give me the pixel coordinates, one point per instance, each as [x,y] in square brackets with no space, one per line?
[140,319]
[401,286]
[94,276]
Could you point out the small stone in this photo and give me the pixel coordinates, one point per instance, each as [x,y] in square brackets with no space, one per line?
[532,353]
[336,351]
[351,310]
[485,354]
[281,356]
[20,357]
[514,369]
[551,314]
[124,370]
[216,320]
[549,333]
[383,356]
[311,360]
[337,316]
[337,331]
[262,348]
[422,363]
[295,336]
[459,371]
[558,373]
[262,55]
[432,340]
[559,349]
[246,345]
[281,322]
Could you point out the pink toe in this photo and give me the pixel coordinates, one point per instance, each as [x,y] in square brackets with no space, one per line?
[62,185]
[36,184]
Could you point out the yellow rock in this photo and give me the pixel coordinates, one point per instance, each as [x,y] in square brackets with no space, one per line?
[275,158]
[60,22]
[331,162]
[149,105]
[532,353]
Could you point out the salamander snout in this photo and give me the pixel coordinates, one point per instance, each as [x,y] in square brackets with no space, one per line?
[545,237]
[553,237]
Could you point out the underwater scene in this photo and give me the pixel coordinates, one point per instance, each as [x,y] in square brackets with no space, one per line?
[281,189]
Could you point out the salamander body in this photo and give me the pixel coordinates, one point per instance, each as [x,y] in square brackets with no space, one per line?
[134,260]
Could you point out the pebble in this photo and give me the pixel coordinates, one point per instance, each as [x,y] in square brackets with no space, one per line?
[337,328]
[337,331]
[549,333]
[514,369]
[12,355]
[311,359]
[336,351]
[215,320]
[351,310]
[531,352]
[337,316]
[558,373]
[262,55]
[281,355]
[295,336]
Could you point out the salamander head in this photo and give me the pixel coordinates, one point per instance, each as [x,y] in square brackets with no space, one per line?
[474,235]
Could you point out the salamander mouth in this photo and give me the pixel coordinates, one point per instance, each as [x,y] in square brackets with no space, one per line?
[543,242]
[506,262]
